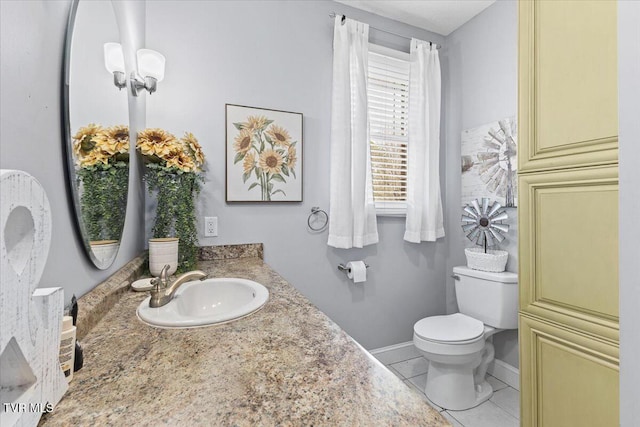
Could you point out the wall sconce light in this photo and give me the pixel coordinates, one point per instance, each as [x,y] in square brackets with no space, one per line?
[150,71]
[114,62]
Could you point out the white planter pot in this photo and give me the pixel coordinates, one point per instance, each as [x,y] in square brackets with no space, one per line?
[163,251]
[104,250]
[494,261]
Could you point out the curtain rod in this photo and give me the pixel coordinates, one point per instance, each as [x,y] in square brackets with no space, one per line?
[333,15]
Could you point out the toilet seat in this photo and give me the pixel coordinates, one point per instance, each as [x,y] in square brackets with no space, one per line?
[450,329]
[450,335]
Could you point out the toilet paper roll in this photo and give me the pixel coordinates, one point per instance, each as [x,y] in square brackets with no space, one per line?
[357,271]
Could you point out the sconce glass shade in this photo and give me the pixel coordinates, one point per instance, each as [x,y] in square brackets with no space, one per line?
[151,64]
[113,57]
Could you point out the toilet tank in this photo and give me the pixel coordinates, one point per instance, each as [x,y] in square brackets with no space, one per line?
[489,297]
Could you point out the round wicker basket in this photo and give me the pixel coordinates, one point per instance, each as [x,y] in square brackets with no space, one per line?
[494,260]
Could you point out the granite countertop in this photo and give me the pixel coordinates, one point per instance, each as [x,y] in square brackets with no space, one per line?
[287,364]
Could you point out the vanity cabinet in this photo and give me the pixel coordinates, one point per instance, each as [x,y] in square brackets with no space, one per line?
[568,213]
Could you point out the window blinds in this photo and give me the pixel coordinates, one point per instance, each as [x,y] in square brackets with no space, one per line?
[388,91]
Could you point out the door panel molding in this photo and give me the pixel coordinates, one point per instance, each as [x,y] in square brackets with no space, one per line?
[538,151]
[551,387]
[562,277]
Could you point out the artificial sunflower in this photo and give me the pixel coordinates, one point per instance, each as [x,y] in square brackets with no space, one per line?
[156,142]
[279,135]
[291,157]
[194,149]
[83,140]
[249,162]
[181,161]
[243,141]
[255,123]
[94,158]
[270,161]
[114,140]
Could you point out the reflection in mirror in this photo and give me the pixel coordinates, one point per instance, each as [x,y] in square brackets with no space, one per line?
[97,134]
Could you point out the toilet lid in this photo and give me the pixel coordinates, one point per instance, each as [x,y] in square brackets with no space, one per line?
[451,328]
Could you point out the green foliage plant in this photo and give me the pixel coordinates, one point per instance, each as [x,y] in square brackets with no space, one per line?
[173,172]
[103,199]
[102,158]
[176,192]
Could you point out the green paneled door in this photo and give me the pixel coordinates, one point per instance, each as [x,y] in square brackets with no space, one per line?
[568,213]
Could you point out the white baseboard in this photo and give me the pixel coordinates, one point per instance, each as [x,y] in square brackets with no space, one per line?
[505,373]
[391,347]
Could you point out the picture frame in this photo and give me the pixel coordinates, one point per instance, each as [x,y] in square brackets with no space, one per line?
[489,163]
[263,154]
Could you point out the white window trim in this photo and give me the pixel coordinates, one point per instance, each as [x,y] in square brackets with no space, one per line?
[382,50]
[390,208]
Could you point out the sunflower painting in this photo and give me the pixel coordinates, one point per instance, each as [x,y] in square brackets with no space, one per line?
[264,152]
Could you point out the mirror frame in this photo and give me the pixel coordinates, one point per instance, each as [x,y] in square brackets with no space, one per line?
[70,169]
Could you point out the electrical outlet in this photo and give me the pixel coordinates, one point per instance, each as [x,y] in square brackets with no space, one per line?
[210,226]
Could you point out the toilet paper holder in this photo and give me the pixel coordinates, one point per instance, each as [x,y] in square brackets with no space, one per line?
[346,269]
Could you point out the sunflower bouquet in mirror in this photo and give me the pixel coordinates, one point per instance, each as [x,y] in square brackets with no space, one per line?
[174,173]
[102,168]
[267,153]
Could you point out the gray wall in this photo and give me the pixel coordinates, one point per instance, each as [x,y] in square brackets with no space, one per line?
[95,25]
[482,88]
[629,110]
[32,38]
[32,42]
[279,55]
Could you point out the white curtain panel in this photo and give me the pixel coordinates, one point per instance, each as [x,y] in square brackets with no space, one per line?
[424,202]
[352,217]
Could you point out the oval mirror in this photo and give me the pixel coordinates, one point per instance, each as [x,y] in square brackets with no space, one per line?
[96,128]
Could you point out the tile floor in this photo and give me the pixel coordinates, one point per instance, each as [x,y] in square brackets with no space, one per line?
[502,410]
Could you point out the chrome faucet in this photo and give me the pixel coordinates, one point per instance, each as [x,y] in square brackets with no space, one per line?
[163,292]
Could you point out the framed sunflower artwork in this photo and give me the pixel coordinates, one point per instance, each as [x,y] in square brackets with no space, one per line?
[263,155]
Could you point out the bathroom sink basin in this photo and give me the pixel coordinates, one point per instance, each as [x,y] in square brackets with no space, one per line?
[206,302]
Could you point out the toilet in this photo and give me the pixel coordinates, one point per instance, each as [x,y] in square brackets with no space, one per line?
[459,346]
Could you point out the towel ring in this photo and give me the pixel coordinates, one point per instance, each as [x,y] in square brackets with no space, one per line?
[317,210]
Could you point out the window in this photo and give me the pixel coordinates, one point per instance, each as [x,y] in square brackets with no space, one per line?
[388,88]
